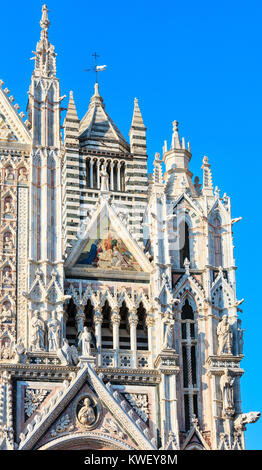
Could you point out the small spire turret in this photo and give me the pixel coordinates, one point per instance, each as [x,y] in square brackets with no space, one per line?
[45,56]
[207,178]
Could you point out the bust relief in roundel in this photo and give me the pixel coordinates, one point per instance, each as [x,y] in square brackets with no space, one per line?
[88,412]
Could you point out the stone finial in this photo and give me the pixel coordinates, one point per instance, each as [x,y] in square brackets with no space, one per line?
[207,178]
[176,144]
[44,22]
[187,266]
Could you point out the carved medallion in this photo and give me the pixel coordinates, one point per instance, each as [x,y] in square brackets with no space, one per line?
[87,412]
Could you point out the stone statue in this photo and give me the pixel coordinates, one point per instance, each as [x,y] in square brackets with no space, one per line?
[85,342]
[68,355]
[226,385]
[86,415]
[104,179]
[240,337]
[169,337]
[54,332]
[38,333]
[224,335]
[20,352]
[6,313]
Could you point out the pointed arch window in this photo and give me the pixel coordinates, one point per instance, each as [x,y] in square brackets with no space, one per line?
[189,360]
[184,248]
[217,242]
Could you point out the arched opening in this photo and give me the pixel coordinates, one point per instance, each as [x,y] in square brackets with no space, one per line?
[124,336]
[107,339]
[189,361]
[141,331]
[184,248]
[71,327]
[217,243]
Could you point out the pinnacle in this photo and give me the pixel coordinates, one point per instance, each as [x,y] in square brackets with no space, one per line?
[137,116]
[71,110]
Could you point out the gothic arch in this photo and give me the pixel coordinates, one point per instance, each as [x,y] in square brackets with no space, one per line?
[86,441]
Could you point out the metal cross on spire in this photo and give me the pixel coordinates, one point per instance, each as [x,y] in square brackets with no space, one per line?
[96,68]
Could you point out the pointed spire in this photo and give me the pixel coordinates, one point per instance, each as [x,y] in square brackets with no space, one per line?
[137,120]
[71,123]
[137,131]
[97,98]
[71,110]
[44,22]
[45,56]
[207,178]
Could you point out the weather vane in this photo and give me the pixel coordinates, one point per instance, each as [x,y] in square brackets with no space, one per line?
[96,68]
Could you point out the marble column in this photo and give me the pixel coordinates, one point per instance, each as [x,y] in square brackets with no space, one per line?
[111,175]
[91,173]
[118,176]
[115,319]
[98,174]
[98,320]
[150,324]
[133,320]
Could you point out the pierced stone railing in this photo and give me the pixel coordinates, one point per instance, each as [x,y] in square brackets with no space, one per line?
[124,359]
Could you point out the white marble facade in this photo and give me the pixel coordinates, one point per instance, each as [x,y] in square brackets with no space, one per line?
[119,320]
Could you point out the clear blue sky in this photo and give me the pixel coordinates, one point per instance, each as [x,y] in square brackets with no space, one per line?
[198,62]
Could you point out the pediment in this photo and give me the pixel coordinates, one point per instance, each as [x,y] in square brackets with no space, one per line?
[186,202]
[107,245]
[12,128]
[195,440]
[86,407]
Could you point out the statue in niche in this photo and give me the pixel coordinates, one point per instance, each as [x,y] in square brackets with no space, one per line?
[224,335]
[86,414]
[7,349]
[240,337]
[20,352]
[22,174]
[169,337]
[54,332]
[38,332]
[226,385]
[8,244]
[8,207]
[9,173]
[7,274]
[6,313]
[85,342]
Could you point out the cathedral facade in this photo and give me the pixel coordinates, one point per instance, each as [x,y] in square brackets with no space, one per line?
[119,321]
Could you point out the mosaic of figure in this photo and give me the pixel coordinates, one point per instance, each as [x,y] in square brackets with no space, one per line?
[108,253]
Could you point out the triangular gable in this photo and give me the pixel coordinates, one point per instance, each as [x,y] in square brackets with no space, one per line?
[222,211]
[195,438]
[190,201]
[107,245]
[12,128]
[128,421]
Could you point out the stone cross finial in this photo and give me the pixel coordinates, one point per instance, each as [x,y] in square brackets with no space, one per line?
[44,22]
